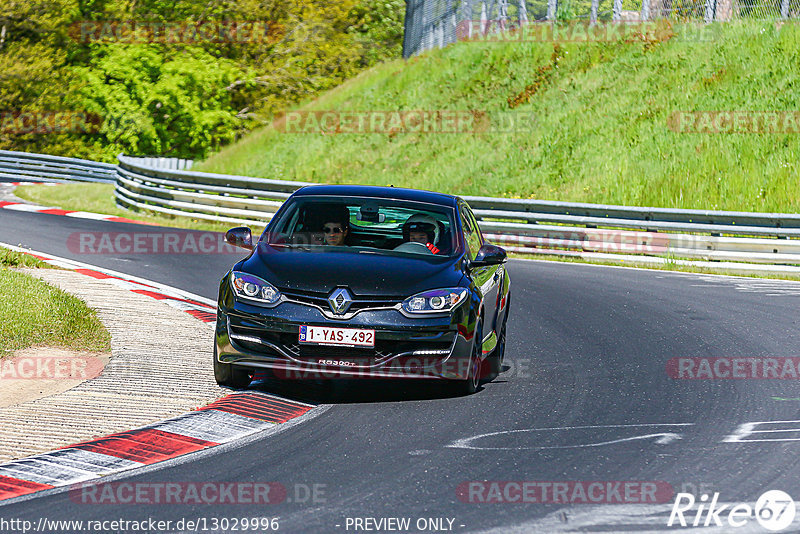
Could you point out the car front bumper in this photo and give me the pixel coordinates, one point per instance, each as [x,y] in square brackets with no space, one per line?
[428,347]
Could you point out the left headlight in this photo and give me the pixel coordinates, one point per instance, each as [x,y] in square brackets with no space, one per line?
[252,288]
[435,300]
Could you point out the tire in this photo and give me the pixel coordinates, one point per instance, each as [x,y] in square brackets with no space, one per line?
[469,385]
[499,354]
[227,375]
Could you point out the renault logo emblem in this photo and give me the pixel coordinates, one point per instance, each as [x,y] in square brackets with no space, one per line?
[340,300]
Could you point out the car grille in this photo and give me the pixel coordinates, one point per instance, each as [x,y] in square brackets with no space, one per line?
[361,356]
[321,299]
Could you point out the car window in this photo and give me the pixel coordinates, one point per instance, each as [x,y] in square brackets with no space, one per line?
[472,233]
[372,224]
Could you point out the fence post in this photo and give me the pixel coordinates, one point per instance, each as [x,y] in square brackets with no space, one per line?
[523,12]
[552,9]
[710,8]
[464,20]
[410,32]
[502,14]
[427,28]
[451,24]
[645,10]
[593,15]
[784,9]
[617,10]
[490,16]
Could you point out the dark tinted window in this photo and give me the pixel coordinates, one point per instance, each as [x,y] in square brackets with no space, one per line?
[373,224]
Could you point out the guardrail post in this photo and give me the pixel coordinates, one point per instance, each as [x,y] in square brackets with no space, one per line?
[593,15]
[784,9]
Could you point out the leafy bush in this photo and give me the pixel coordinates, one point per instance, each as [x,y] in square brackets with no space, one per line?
[182,100]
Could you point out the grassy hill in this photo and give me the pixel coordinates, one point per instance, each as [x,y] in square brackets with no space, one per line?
[601,130]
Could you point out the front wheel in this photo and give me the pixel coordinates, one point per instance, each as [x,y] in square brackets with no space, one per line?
[227,375]
[469,385]
[499,353]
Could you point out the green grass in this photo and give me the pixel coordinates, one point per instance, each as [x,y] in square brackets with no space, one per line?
[9,258]
[35,313]
[99,198]
[600,132]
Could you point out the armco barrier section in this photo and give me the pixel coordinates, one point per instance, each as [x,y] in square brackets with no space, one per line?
[25,166]
[525,226]
[521,225]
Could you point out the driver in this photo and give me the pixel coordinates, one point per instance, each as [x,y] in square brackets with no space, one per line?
[423,229]
[337,227]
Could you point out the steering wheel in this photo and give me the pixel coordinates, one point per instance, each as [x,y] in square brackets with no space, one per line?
[413,246]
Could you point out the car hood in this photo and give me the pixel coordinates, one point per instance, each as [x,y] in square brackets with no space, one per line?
[365,274]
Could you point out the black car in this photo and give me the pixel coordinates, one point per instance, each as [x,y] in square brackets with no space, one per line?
[364,282]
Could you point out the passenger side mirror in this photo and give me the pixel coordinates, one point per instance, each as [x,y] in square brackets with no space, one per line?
[240,237]
[489,255]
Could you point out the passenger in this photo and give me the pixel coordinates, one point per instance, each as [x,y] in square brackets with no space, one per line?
[423,229]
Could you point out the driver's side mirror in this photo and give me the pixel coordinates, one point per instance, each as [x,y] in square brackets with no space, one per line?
[240,237]
[489,255]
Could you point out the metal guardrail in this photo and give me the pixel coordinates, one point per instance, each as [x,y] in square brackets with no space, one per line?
[219,197]
[524,226]
[26,166]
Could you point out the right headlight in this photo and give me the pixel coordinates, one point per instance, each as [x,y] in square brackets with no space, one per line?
[252,288]
[435,300]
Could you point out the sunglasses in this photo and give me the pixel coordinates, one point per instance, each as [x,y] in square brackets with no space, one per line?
[335,230]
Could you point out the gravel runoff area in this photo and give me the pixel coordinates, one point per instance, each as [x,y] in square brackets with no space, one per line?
[160,367]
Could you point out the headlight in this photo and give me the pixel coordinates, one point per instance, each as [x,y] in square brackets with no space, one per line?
[435,300]
[252,288]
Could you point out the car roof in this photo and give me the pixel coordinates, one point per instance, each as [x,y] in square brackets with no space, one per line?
[399,193]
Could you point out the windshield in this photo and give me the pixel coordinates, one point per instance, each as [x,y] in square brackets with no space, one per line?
[376,225]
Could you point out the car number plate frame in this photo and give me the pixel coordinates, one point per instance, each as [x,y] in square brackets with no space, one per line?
[336,336]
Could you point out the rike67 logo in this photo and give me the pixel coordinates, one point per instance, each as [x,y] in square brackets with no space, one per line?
[774,510]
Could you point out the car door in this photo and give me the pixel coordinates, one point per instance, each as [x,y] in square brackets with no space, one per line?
[486,278]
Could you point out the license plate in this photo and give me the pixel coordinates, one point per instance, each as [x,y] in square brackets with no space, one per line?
[343,337]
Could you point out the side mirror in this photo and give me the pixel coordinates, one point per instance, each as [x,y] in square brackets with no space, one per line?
[240,237]
[489,255]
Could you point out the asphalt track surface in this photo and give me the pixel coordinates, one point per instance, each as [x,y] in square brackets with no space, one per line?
[588,347]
